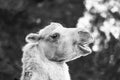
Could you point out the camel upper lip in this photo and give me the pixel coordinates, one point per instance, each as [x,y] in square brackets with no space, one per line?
[84,48]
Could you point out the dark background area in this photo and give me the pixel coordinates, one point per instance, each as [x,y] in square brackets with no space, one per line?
[20,17]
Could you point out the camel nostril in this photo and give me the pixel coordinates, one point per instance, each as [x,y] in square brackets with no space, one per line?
[85,37]
[84,34]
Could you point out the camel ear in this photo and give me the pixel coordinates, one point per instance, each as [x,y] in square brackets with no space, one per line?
[32,38]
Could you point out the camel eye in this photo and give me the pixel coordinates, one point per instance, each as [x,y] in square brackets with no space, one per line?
[55,36]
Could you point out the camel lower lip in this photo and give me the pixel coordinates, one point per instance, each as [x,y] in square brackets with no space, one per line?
[84,48]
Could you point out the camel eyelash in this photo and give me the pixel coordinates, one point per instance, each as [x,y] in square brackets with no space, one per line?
[54,37]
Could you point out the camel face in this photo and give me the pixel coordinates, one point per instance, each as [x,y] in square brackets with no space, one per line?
[62,44]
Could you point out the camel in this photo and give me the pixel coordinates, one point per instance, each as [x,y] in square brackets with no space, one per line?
[47,51]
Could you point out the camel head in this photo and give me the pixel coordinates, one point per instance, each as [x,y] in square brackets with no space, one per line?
[61,44]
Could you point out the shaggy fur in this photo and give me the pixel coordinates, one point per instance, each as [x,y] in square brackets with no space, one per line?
[46,52]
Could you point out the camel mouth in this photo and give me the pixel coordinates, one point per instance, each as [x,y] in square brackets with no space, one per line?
[84,48]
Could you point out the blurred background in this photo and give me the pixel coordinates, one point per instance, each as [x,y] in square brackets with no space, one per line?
[100,17]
